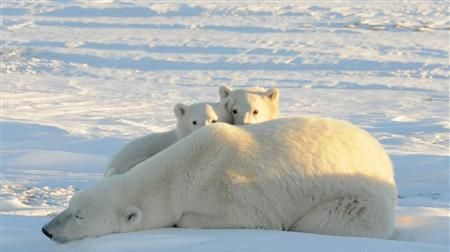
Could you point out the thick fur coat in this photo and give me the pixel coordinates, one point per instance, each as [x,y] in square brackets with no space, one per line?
[307,174]
[189,118]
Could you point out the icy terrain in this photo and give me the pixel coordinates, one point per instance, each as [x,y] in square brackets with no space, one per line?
[80,79]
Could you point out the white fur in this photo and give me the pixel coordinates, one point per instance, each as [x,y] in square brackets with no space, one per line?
[301,174]
[203,114]
[145,147]
[139,150]
[252,105]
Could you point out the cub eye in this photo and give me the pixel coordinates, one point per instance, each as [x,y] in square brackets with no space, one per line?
[255,112]
[194,122]
[234,111]
[213,121]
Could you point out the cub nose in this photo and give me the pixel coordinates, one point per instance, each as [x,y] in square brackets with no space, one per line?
[47,233]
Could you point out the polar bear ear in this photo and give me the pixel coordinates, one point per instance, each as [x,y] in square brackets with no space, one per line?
[132,215]
[224,91]
[180,110]
[227,104]
[272,94]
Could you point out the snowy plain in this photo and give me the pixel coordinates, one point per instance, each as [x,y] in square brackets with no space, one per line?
[81,78]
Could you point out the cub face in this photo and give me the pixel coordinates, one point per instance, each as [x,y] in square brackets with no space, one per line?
[195,116]
[248,106]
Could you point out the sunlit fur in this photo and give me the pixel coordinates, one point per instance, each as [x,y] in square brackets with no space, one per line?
[300,174]
[144,147]
[252,105]
[203,114]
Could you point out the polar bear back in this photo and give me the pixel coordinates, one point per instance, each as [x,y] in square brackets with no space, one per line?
[138,150]
[142,148]
[305,146]
[317,145]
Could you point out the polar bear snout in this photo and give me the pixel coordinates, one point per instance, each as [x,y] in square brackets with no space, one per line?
[46,233]
[56,228]
[52,228]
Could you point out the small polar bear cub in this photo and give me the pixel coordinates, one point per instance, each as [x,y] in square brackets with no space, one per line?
[252,105]
[189,118]
[195,116]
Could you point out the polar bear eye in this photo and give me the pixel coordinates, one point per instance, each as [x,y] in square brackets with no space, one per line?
[235,111]
[194,122]
[255,112]
[131,216]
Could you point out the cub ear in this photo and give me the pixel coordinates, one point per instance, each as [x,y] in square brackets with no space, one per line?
[227,104]
[180,110]
[224,91]
[272,94]
[132,215]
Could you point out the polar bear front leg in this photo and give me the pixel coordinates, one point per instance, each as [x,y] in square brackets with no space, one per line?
[347,216]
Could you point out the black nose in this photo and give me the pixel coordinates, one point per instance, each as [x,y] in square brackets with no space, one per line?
[47,233]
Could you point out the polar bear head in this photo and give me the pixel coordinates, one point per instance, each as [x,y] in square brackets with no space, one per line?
[195,116]
[253,105]
[103,209]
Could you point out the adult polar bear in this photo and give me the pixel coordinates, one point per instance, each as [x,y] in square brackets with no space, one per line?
[301,174]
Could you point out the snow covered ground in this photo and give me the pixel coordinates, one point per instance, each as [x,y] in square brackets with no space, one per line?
[79,79]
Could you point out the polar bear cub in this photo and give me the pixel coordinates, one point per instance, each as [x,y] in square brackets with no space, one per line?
[252,105]
[189,118]
[195,116]
[325,176]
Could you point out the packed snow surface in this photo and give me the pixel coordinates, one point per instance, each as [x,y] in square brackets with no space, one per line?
[81,78]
